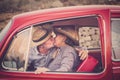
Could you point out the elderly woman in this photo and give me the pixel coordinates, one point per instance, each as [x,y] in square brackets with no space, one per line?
[66,56]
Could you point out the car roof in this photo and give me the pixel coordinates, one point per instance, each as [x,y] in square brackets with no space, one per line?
[21,18]
[113,8]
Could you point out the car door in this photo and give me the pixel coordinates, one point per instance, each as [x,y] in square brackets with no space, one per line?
[19,42]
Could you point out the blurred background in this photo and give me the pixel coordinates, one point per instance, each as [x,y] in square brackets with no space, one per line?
[9,8]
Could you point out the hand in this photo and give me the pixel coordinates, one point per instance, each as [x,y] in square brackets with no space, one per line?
[41,69]
[83,54]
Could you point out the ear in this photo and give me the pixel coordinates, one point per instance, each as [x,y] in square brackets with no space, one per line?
[64,38]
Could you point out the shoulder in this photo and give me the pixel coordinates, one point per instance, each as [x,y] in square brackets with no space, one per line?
[68,48]
[33,50]
[68,51]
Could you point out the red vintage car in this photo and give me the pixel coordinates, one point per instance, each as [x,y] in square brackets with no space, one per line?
[98,28]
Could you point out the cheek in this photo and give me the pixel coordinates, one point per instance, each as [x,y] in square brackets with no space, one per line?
[49,43]
[57,41]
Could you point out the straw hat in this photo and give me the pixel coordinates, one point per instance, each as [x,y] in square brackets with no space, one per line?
[40,36]
[69,32]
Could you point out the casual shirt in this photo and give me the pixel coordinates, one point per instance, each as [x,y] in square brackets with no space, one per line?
[38,59]
[65,59]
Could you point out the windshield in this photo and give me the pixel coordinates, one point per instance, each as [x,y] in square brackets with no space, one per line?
[4,31]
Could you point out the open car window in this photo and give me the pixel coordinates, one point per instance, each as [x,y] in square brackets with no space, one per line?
[17,51]
[19,57]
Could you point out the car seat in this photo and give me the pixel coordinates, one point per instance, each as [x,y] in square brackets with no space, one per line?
[88,64]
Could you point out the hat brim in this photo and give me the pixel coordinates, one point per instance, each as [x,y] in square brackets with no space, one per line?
[64,32]
[42,41]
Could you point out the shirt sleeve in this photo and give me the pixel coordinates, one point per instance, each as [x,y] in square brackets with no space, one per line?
[32,53]
[67,61]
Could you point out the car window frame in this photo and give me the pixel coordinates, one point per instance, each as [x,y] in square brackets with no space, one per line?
[93,15]
[26,59]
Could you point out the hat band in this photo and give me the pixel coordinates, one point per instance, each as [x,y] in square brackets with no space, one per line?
[43,37]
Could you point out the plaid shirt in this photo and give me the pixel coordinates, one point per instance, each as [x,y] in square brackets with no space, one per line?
[64,60]
[37,59]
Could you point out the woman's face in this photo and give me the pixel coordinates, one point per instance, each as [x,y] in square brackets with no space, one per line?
[59,40]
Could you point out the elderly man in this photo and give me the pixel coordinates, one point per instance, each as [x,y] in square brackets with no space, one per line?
[42,42]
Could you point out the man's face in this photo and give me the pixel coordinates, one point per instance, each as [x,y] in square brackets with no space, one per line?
[49,43]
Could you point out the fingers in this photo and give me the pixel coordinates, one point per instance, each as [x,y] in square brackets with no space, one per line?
[83,54]
[41,69]
[38,71]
